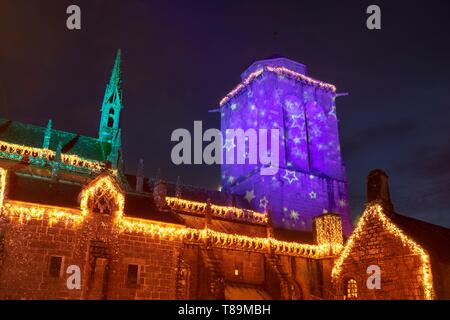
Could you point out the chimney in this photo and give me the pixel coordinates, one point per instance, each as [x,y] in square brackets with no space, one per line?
[160,191]
[140,176]
[378,189]
[47,135]
[178,188]
[208,213]
[56,162]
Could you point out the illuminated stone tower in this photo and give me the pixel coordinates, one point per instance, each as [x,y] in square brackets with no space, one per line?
[112,105]
[311,180]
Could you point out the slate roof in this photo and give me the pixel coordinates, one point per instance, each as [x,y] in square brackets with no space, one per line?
[143,207]
[199,194]
[293,236]
[433,238]
[44,191]
[33,136]
[193,193]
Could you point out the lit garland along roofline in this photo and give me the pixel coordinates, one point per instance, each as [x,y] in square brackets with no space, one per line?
[227,212]
[18,151]
[280,71]
[27,211]
[377,210]
[3,174]
[22,211]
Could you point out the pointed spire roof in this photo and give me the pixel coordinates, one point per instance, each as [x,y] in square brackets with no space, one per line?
[116,74]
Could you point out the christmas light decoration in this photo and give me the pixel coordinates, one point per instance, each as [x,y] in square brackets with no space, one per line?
[3,173]
[328,229]
[105,187]
[282,71]
[219,211]
[18,152]
[152,228]
[276,94]
[25,211]
[240,86]
[375,210]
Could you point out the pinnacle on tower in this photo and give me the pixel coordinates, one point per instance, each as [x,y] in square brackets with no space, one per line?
[112,104]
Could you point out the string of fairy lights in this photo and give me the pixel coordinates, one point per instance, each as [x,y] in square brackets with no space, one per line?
[219,211]
[328,228]
[23,212]
[376,211]
[16,151]
[279,71]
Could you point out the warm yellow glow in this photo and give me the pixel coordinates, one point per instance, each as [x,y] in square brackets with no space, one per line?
[103,186]
[68,159]
[3,173]
[376,210]
[151,228]
[351,290]
[328,229]
[22,212]
[218,211]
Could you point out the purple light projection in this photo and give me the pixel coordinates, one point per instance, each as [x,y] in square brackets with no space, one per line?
[276,93]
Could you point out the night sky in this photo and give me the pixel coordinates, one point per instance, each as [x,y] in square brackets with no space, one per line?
[181,58]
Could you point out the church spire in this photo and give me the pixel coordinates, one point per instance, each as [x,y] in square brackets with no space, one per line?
[112,104]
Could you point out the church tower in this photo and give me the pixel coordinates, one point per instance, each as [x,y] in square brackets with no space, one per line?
[276,93]
[111,107]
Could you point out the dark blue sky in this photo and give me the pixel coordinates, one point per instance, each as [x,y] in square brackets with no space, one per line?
[181,58]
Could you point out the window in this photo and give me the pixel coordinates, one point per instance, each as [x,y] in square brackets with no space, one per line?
[55,266]
[132,275]
[238,270]
[111,111]
[110,122]
[351,290]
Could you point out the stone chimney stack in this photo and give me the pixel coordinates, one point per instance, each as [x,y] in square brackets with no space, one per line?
[178,188]
[140,176]
[378,189]
[160,192]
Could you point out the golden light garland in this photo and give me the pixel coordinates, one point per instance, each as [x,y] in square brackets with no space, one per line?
[376,210]
[3,173]
[279,71]
[302,77]
[107,187]
[218,211]
[151,228]
[69,159]
[25,212]
[21,211]
[328,229]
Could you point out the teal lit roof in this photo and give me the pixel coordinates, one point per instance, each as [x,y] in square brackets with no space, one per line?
[33,136]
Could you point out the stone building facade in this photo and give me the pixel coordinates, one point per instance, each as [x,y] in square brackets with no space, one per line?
[411,255]
[68,208]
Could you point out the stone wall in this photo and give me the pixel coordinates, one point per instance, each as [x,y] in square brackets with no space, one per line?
[401,273]
[28,247]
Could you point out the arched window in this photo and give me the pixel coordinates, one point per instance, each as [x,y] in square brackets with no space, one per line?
[110,122]
[111,111]
[351,290]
